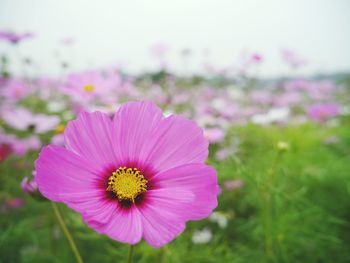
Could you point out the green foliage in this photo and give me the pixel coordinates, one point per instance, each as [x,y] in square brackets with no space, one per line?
[294,207]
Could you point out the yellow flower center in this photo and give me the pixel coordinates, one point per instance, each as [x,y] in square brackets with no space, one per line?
[89,88]
[59,128]
[127,183]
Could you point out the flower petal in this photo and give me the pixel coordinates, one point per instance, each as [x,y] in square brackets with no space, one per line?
[90,136]
[61,174]
[198,179]
[142,135]
[188,192]
[160,226]
[176,141]
[132,125]
[123,225]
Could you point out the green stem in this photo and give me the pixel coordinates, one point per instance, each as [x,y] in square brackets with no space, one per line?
[131,253]
[268,208]
[67,233]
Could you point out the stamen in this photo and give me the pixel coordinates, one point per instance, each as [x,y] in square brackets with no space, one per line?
[89,88]
[127,183]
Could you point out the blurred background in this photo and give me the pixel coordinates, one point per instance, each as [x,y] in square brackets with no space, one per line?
[268,81]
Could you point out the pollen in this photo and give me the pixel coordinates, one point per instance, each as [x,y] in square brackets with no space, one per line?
[59,128]
[89,88]
[127,183]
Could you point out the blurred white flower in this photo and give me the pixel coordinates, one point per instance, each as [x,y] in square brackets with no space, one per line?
[220,218]
[56,106]
[273,115]
[202,236]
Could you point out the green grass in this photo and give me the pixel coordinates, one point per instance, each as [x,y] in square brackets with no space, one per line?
[294,207]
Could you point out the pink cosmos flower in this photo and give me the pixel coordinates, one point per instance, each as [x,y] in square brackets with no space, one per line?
[14,203]
[214,135]
[22,146]
[29,186]
[322,112]
[222,154]
[138,175]
[23,119]
[90,84]
[296,85]
[159,50]
[292,58]
[13,37]
[287,99]
[14,89]
[18,146]
[58,139]
[257,58]
[261,97]
[233,184]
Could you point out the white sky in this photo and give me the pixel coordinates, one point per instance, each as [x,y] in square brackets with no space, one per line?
[110,31]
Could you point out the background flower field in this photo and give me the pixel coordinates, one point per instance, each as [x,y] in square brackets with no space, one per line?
[280,145]
[279,203]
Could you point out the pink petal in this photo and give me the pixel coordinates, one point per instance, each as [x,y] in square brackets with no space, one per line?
[176,141]
[160,226]
[90,136]
[197,179]
[188,192]
[63,176]
[143,135]
[132,125]
[123,225]
[18,118]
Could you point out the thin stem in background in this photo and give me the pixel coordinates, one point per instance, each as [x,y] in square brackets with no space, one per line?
[67,233]
[131,253]
[268,197]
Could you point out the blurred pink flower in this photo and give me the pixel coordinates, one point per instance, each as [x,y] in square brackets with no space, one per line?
[261,97]
[292,58]
[14,203]
[321,90]
[159,50]
[18,146]
[14,89]
[222,154]
[23,119]
[257,58]
[89,85]
[29,186]
[22,146]
[296,85]
[233,184]
[288,99]
[214,135]
[323,112]
[15,38]
[58,139]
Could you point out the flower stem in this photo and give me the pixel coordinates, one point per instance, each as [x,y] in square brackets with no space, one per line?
[67,233]
[131,253]
[268,198]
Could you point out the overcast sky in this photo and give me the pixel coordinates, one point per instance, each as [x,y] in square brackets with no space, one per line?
[111,31]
